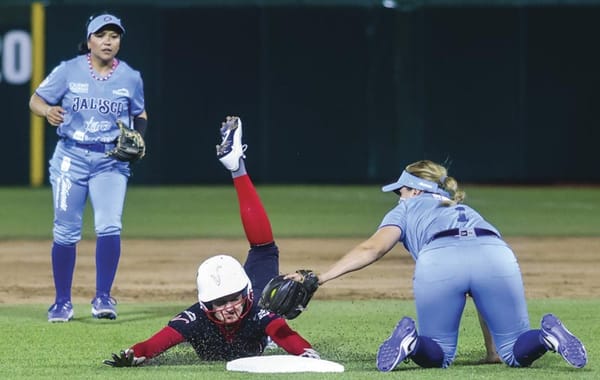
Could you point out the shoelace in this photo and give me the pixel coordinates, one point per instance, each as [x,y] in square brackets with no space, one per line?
[109,300]
[112,300]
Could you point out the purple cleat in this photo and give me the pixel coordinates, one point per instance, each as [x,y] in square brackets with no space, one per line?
[398,346]
[557,338]
[60,312]
[104,307]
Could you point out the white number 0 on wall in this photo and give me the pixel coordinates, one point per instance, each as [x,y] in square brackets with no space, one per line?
[15,52]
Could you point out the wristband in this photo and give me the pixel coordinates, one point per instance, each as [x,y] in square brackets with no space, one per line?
[140,124]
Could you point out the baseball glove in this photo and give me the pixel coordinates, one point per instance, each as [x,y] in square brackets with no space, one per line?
[288,297]
[130,145]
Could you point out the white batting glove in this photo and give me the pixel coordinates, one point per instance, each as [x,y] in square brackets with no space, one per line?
[136,360]
[310,353]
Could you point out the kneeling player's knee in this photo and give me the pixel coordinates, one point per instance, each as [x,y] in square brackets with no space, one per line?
[429,354]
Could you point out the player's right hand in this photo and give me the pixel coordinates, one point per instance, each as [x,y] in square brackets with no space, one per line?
[125,358]
[55,115]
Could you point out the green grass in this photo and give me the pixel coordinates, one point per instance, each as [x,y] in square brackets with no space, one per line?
[304,211]
[345,331]
[348,332]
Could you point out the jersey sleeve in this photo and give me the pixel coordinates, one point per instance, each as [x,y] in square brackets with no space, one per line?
[187,321]
[137,99]
[396,217]
[158,343]
[54,86]
[286,338]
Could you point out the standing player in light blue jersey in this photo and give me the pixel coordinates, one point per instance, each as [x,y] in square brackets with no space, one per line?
[84,98]
[457,253]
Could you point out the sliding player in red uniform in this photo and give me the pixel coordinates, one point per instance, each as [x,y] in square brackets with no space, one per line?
[226,323]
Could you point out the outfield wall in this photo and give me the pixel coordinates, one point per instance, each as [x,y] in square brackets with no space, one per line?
[340,93]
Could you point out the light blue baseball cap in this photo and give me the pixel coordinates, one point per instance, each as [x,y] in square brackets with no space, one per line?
[414,182]
[101,21]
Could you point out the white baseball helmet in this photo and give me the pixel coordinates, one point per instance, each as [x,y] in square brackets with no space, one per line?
[220,276]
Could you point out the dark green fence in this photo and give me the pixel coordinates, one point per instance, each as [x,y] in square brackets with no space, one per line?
[350,94]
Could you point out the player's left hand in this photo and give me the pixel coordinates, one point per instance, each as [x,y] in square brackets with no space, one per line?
[288,295]
[310,353]
[130,145]
[125,358]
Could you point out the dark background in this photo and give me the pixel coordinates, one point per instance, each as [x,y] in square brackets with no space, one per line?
[348,94]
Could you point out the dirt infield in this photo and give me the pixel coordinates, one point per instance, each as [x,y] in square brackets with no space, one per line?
[164,270]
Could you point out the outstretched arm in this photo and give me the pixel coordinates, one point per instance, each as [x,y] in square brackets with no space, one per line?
[140,352]
[289,340]
[288,295]
[364,254]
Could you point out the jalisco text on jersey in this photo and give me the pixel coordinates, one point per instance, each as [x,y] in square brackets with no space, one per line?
[102,105]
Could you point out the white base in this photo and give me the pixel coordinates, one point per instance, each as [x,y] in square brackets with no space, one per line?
[282,363]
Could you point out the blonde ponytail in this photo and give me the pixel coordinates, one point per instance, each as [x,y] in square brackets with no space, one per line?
[434,172]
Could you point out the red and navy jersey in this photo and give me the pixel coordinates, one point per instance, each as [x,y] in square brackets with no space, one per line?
[214,342]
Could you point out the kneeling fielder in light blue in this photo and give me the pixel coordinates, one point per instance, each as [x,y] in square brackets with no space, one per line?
[457,253]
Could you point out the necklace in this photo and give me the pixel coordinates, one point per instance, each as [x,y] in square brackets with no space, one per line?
[115,62]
